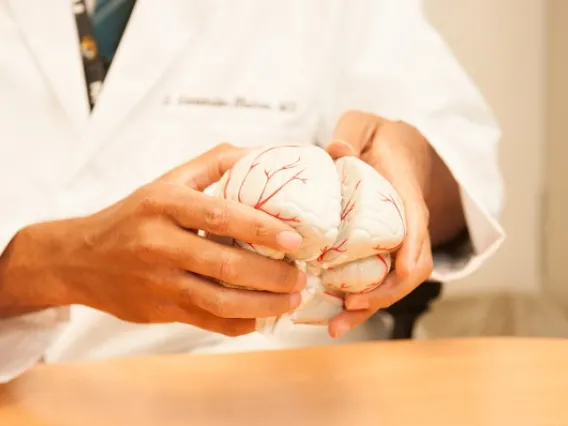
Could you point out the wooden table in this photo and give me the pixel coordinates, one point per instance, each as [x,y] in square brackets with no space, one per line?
[504,382]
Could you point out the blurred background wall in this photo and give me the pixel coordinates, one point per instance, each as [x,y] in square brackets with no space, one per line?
[505,46]
[556,172]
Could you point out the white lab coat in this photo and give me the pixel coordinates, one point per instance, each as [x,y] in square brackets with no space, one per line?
[190,74]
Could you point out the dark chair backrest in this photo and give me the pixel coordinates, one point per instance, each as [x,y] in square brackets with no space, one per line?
[408,310]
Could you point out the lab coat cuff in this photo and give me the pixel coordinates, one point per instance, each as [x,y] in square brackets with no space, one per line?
[484,237]
[24,340]
[481,197]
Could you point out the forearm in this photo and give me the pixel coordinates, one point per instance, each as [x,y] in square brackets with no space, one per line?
[447,220]
[27,283]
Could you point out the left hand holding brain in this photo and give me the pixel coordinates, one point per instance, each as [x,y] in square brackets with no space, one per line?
[403,155]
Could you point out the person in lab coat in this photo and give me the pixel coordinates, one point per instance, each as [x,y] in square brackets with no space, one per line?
[103,166]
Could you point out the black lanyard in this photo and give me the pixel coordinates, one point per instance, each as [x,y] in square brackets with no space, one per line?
[95,70]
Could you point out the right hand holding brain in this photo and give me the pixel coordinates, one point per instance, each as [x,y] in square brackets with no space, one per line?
[142,259]
[349,216]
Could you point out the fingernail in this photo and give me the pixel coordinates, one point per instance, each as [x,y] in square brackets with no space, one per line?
[344,145]
[356,304]
[295,300]
[289,241]
[340,329]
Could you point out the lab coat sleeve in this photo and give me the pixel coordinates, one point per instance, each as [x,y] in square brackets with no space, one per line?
[25,338]
[395,64]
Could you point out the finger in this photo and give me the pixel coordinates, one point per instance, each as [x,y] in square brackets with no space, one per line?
[225,302]
[195,210]
[208,168]
[361,307]
[394,288]
[353,133]
[200,318]
[416,234]
[396,166]
[164,311]
[231,327]
[347,321]
[223,263]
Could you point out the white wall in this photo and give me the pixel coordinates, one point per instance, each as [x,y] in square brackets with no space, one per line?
[502,45]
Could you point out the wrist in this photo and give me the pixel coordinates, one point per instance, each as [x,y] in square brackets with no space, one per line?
[30,270]
[443,199]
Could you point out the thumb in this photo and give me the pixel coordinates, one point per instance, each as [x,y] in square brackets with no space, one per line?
[353,134]
[207,168]
[389,155]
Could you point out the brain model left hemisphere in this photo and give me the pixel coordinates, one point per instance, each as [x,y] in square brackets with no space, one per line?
[350,217]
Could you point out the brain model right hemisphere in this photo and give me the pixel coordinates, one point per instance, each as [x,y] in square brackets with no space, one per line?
[350,217]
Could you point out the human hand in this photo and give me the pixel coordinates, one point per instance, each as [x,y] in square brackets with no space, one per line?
[403,156]
[142,261]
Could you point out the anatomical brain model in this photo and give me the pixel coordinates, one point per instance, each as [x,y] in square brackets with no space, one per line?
[349,216]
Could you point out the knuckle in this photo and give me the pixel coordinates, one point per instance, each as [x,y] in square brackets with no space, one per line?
[371,121]
[145,245]
[402,127]
[150,201]
[216,218]
[227,270]
[186,297]
[352,114]
[221,305]
[287,277]
[223,146]
[261,230]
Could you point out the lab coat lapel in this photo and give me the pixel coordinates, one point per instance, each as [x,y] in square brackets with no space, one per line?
[49,30]
[157,32]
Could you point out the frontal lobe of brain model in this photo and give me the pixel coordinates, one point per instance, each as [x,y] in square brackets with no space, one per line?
[350,217]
